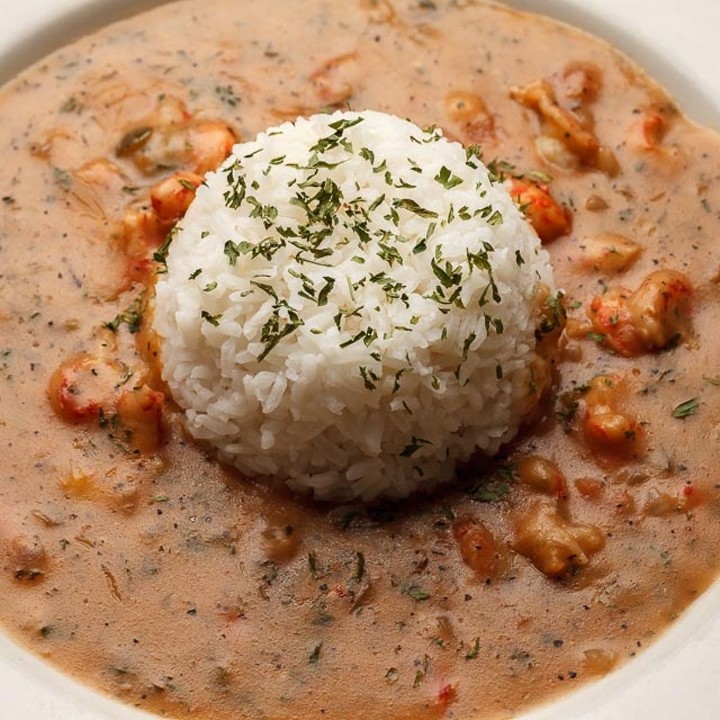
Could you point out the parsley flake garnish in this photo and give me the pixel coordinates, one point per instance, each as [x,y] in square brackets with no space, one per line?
[447,179]
[214,320]
[413,446]
[411,206]
[417,593]
[473,652]
[131,317]
[685,409]
[315,654]
[232,251]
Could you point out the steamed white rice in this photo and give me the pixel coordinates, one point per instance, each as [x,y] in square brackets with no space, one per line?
[347,307]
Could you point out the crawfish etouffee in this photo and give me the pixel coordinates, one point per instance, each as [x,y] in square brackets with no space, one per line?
[134,560]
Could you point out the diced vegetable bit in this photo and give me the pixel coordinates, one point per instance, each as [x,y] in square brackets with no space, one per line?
[474,650]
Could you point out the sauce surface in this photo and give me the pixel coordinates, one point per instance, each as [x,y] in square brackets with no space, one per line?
[136,562]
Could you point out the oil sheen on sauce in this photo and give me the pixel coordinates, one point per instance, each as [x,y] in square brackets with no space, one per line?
[162,578]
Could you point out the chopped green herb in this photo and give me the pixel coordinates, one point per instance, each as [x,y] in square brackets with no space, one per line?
[411,206]
[493,486]
[359,571]
[447,179]
[315,654]
[469,340]
[62,178]
[133,141]
[232,251]
[417,593]
[325,290]
[473,652]
[214,320]
[312,564]
[132,317]
[71,105]
[413,446]
[160,255]
[235,194]
[595,337]
[274,329]
[553,316]
[226,93]
[685,409]
[369,377]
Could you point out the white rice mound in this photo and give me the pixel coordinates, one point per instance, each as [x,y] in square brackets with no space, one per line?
[347,307]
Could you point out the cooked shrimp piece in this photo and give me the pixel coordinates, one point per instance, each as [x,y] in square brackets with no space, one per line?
[171,139]
[211,142]
[462,106]
[469,111]
[605,423]
[609,252]
[551,542]
[139,411]
[580,81]
[648,132]
[548,217]
[140,234]
[479,548]
[660,308]
[84,386]
[542,476]
[172,196]
[654,317]
[563,124]
[572,129]
[143,230]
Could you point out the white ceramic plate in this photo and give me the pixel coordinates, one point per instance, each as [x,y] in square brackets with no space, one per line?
[676,42]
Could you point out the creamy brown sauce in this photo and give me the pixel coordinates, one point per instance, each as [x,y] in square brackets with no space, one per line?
[160,577]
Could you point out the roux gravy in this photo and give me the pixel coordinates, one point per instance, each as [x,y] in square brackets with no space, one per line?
[164,579]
